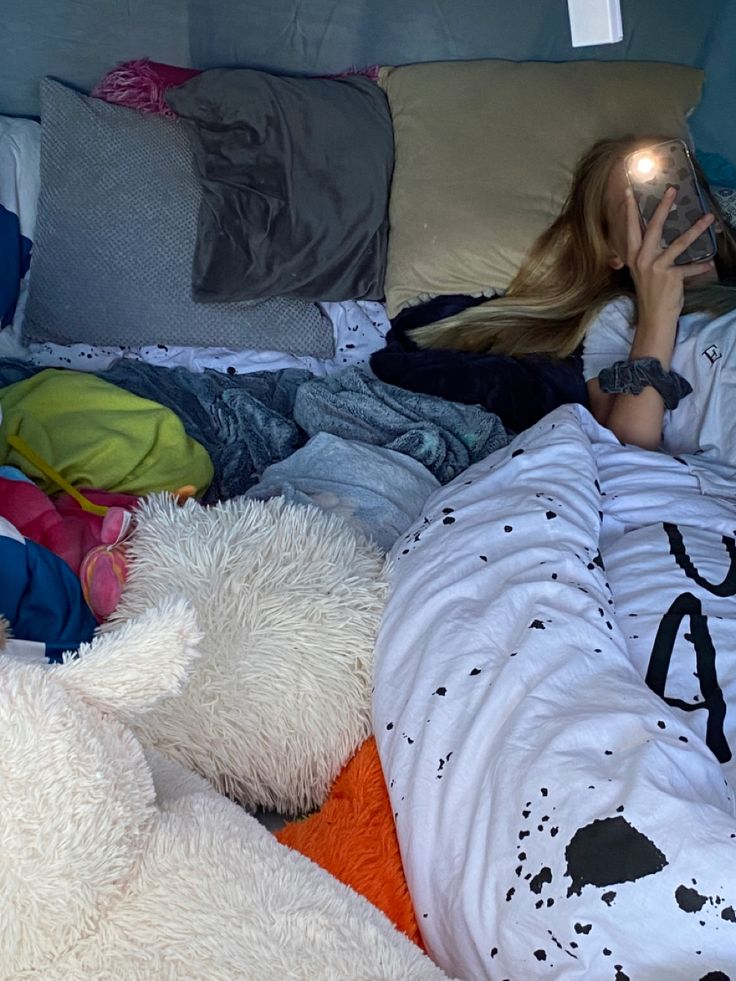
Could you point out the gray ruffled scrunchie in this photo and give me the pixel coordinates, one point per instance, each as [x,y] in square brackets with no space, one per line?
[632,377]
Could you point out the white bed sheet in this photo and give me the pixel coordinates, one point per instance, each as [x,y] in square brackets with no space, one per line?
[556,817]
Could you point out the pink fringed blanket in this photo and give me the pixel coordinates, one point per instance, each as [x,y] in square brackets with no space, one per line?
[142,84]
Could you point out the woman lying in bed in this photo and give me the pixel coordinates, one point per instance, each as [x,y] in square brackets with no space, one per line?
[555,673]
[593,277]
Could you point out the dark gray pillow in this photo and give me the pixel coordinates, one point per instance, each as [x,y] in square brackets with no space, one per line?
[295,175]
[115,236]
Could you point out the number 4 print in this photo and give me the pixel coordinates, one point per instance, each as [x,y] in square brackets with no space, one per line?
[687,605]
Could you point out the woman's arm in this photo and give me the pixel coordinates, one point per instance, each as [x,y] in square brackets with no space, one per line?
[638,418]
[660,295]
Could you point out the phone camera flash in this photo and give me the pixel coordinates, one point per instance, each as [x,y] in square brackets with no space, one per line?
[645,165]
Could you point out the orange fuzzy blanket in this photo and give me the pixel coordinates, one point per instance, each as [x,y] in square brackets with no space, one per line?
[353,837]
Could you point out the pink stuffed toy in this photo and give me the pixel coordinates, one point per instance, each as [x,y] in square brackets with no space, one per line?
[90,544]
[104,568]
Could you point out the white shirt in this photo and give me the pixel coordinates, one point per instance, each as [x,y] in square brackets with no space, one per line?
[702,429]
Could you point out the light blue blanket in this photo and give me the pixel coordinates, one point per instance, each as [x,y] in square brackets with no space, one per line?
[377,490]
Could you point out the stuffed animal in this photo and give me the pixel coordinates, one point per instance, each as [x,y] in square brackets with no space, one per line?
[118,864]
[353,836]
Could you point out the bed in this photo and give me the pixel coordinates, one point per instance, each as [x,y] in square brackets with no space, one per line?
[551,686]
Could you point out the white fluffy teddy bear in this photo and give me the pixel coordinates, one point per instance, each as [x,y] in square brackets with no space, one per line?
[118,864]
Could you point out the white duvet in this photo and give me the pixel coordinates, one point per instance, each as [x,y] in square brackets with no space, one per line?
[558,736]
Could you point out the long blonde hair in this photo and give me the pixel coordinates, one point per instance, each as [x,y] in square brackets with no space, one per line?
[566,277]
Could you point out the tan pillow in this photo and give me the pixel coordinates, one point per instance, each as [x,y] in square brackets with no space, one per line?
[485,152]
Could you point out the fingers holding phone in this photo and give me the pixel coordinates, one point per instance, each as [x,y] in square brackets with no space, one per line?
[685,242]
[669,232]
[666,191]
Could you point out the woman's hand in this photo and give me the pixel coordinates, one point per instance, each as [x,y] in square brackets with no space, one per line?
[660,295]
[659,282]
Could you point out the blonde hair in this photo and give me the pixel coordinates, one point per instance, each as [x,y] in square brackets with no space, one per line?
[566,277]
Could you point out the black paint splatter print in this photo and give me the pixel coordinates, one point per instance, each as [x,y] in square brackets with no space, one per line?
[610,851]
[584,875]
[543,877]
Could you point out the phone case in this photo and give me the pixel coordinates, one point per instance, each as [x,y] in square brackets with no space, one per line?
[650,172]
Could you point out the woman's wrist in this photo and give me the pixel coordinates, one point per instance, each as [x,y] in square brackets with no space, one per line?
[654,337]
[633,376]
[657,322]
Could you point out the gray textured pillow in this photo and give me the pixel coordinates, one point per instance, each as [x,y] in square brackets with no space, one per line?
[115,236]
[295,175]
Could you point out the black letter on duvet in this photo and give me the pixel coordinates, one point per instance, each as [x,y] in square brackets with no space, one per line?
[679,553]
[687,605]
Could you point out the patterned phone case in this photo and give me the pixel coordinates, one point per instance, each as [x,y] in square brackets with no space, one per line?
[671,166]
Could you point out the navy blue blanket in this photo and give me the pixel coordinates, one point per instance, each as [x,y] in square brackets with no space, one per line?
[518,390]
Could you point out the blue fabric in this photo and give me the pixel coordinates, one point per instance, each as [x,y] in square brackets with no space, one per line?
[14,370]
[632,377]
[13,473]
[323,36]
[718,170]
[377,490]
[41,598]
[445,436]
[77,41]
[518,390]
[247,422]
[712,123]
[15,257]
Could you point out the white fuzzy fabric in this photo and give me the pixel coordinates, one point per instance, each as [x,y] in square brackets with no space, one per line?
[122,665]
[115,866]
[289,600]
[62,860]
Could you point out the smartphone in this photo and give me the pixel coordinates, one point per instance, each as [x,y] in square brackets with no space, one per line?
[650,172]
